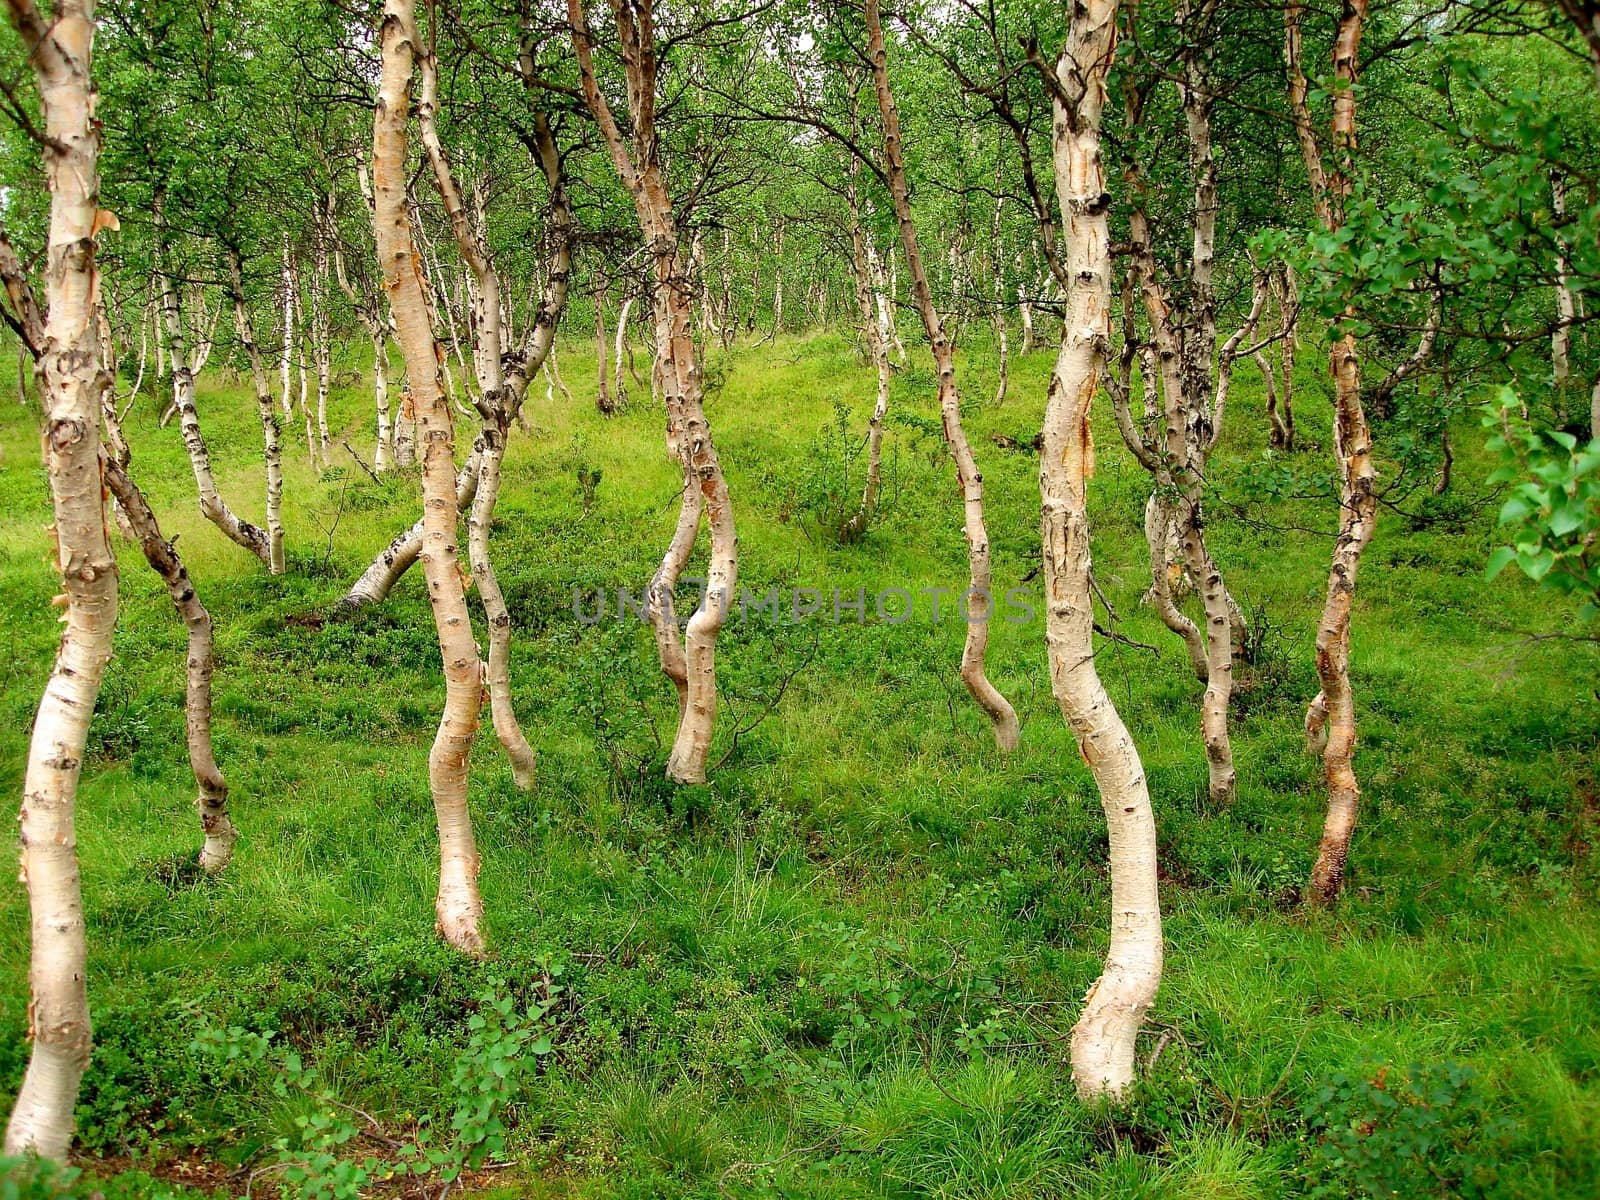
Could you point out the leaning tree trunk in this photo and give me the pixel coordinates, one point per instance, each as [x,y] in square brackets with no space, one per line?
[395,559]
[1104,1037]
[212,506]
[270,428]
[459,906]
[200,662]
[71,380]
[980,600]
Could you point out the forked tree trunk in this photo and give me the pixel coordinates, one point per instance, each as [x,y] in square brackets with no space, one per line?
[459,906]
[1167,575]
[705,489]
[270,429]
[1104,1037]
[496,407]
[212,506]
[1194,378]
[395,559]
[979,600]
[538,351]
[1331,717]
[71,379]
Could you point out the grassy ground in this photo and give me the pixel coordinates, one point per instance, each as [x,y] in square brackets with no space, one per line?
[847,967]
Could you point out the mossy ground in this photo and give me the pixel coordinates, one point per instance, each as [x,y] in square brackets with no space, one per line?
[846,967]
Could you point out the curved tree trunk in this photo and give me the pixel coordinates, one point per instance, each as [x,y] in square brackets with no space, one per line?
[460,907]
[269,421]
[538,351]
[1166,573]
[1104,1037]
[1331,718]
[162,555]
[495,406]
[980,599]
[71,380]
[212,506]
[677,369]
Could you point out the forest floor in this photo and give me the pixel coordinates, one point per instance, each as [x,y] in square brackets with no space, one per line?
[848,966]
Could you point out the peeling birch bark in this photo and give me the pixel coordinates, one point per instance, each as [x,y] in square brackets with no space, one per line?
[538,351]
[496,408]
[1103,1039]
[71,380]
[1331,718]
[459,905]
[705,490]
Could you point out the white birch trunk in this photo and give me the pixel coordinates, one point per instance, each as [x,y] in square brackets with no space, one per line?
[71,379]
[1103,1040]
[979,600]
[619,388]
[678,369]
[495,406]
[459,905]
[212,506]
[271,452]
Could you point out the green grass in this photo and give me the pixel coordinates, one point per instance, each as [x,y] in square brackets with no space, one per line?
[847,967]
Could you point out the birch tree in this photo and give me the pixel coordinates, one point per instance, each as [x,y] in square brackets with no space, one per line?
[213,507]
[979,598]
[72,380]
[459,905]
[690,662]
[537,351]
[1192,379]
[1331,718]
[496,406]
[1103,1039]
